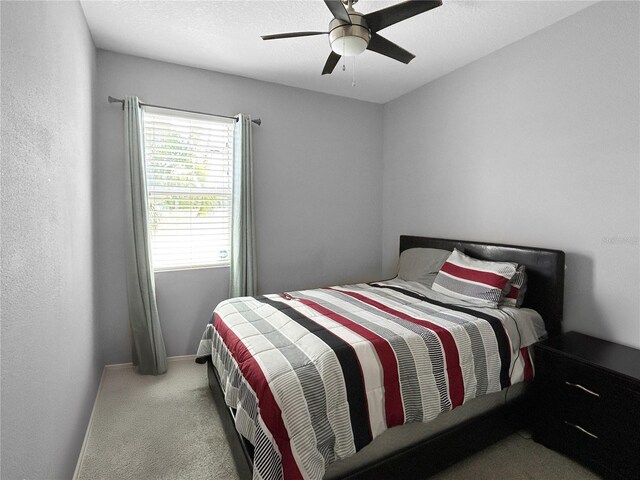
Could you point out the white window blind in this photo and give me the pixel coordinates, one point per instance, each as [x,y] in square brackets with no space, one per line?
[188,169]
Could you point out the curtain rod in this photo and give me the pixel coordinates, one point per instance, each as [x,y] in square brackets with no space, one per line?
[111,99]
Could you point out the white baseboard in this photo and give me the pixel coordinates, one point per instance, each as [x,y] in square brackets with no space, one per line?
[181,357]
[177,358]
[116,366]
[86,433]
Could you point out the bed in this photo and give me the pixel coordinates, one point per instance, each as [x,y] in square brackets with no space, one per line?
[381,379]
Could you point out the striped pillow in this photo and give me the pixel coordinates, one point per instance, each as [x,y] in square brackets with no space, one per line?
[518,284]
[474,281]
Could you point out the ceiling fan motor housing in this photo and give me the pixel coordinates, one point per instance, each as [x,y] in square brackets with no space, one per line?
[349,40]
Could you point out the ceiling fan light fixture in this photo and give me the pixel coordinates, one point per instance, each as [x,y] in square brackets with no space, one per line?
[349,40]
[349,45]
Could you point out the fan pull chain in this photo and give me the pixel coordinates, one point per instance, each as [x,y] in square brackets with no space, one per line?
[344,61]
[353,78]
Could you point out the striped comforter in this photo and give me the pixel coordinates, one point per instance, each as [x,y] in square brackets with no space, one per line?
[316,375]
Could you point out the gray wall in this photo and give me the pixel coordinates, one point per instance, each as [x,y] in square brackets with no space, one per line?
[536,144]
[318,191]
[50,362]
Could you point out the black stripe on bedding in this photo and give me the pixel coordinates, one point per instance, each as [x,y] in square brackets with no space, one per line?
[351,370]
[496,325]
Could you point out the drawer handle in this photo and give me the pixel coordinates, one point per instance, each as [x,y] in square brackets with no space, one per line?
[578,427]
[584,389]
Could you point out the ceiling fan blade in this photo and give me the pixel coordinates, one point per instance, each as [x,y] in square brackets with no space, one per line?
[338,10]
[291,35]
[332,61]
[396,13]
[383,46]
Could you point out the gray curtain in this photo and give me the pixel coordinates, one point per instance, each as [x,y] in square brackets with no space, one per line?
[242,281]
[148,350]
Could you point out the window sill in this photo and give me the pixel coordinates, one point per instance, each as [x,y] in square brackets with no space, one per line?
[181,269]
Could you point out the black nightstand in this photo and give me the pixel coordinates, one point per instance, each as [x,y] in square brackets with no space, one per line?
[588,402]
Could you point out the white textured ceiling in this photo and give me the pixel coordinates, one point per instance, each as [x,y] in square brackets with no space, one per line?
[224,36]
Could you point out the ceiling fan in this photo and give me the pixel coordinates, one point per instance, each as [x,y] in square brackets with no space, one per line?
[351,33]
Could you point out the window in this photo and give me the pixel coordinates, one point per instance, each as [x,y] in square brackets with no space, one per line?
[188,161]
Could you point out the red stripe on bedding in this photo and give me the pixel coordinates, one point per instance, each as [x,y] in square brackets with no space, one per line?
[268,406]
[513,293]
[486,278]
[528,366]
[394,410]
[452,358]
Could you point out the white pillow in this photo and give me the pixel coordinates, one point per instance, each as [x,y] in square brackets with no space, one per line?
[421,264]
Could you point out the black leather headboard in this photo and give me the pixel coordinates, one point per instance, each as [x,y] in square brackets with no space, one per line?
[545,271]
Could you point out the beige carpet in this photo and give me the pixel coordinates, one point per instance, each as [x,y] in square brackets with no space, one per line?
[167,427]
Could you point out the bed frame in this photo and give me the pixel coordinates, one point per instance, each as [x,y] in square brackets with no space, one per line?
[545,291]
[545,271]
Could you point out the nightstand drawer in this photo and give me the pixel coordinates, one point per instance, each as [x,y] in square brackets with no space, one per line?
[580,380]
[615,459]
[611,439]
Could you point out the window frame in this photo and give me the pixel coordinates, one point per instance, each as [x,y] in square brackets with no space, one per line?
[185,191]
